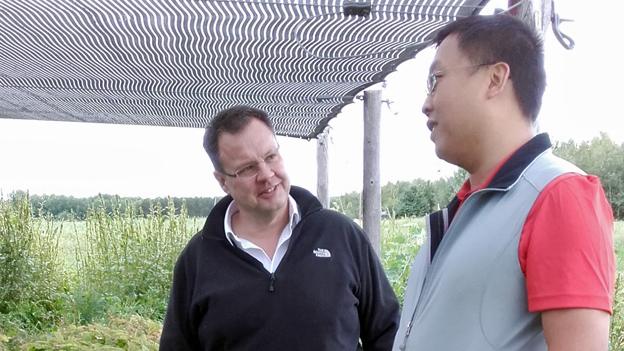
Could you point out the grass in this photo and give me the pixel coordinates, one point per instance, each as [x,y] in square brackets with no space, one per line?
[117,333]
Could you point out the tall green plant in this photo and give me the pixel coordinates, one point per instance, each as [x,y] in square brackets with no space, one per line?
[125,259]
[401,239]
[32,282]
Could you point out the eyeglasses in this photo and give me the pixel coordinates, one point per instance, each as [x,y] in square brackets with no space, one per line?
[432,79]
[251,170]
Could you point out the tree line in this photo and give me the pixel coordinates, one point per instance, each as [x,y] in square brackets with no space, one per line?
[600,156]
[69,207]
[405,198]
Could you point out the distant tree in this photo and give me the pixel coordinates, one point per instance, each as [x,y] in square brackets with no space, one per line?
[405,198]
[445,189]
[390,194]
[417,200]
[348,204]
[604,158]
[59,206]
[71,208]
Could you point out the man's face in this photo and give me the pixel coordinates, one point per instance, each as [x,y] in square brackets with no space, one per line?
[255,146]
[453,107]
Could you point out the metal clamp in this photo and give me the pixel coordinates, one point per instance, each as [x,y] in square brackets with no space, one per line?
[564,39]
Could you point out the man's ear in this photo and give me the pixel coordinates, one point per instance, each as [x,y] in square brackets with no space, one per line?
[499,74]
[221,179]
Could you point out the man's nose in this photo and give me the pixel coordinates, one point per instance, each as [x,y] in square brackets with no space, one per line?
[427,107]
[264,171]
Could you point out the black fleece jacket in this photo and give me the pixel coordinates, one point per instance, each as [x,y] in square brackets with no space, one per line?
[328,291]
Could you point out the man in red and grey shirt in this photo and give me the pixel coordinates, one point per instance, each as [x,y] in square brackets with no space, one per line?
[522,258]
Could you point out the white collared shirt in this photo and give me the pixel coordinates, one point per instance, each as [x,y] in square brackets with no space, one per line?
[254,250]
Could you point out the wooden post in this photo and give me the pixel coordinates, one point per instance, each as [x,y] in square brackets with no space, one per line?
[322,178]
[371,192]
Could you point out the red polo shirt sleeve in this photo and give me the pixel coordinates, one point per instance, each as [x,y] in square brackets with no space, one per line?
[566,247]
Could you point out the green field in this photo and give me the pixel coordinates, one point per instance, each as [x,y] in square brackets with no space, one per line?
[102,284]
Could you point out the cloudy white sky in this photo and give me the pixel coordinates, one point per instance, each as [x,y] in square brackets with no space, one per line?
[582,99]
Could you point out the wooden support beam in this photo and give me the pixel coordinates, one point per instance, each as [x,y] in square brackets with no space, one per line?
[371,192]
[322,177]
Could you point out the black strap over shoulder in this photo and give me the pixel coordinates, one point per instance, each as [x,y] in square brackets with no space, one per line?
[439,222]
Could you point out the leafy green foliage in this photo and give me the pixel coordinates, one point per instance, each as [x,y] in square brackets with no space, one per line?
[400,241]
[32,283]
[123,265]
[601,157]
[125,260]
[417,200]
[390,194]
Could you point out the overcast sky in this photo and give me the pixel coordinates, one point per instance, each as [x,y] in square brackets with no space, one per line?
[582,99]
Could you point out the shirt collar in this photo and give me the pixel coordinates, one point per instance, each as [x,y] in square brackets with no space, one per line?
[467,189]
[515,166]
[293,219]
[511,167]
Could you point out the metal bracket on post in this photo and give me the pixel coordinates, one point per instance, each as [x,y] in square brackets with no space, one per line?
[556,21]
[538,14]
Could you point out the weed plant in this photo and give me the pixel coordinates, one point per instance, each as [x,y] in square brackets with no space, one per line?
[32,282]
[401,239]
[125,260]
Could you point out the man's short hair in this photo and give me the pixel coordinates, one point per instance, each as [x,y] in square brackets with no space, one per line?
[231,120]
[503,38]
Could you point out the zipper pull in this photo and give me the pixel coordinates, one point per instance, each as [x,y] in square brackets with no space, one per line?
[272,283]
[407,333]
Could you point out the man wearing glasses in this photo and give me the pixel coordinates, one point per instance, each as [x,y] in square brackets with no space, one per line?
[272,269]
[522,258]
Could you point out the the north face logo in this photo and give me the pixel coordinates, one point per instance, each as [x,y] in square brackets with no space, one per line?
[324,253]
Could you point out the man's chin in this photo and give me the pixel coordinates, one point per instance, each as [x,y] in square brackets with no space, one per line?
[277,201]
[440,152]
[444,156]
